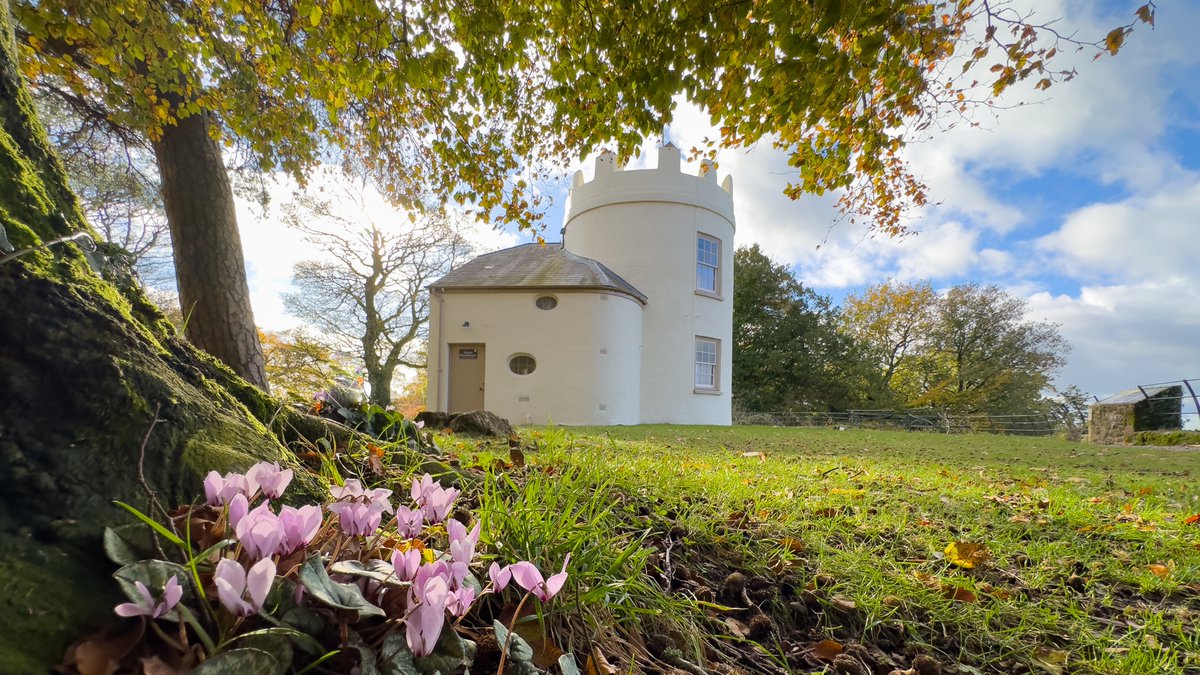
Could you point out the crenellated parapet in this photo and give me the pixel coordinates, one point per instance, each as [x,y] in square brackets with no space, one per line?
[612,184]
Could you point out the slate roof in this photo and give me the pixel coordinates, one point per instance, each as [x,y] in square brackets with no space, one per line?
[534,266]
[1133,395]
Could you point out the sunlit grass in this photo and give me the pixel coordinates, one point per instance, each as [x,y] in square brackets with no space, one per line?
[1089,550]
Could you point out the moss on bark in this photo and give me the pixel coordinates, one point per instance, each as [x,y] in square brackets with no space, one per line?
[84,368]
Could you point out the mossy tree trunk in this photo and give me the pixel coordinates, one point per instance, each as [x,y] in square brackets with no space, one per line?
[84,369]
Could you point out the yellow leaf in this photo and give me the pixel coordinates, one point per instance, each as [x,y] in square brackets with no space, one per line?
[314,17]
[966,555]
[792,544]
[848,492]
[1160,571]
[1050,660]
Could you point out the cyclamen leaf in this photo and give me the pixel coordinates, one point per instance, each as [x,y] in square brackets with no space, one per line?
[451,654]
[518,648]
[238,662]
[394,655]
[116,549]
[566,663]
[342,596]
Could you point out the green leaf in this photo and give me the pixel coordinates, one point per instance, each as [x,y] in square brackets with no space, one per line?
[342,596]
[169,535]
[239,662]
[117,549]
[376,570]
[566,663]
[451,654]
[394,655]
[302,640]
[518,648]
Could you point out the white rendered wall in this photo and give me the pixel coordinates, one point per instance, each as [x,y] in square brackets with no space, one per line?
[587,351]
[643,225]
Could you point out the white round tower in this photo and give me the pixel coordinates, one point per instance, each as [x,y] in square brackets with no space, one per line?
[670,235]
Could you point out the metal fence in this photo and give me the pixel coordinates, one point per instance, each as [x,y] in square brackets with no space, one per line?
[1188,398]
[1031,424]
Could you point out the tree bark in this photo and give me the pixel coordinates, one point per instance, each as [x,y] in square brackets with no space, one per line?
[86,369]
[209,265]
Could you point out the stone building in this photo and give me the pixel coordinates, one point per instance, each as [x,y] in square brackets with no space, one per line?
[1117,418]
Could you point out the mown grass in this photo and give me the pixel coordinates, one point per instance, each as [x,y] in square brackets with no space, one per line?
[1092,566]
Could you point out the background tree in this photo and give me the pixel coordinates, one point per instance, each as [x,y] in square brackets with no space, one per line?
[787,351]
[117,184]
[1070,408]
[889,321]
[298,365]
[370,294]
[984,355]
[468,100]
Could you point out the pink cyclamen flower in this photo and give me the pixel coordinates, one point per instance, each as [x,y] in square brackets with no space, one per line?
[358,519]
[406,563]
[409,522]
[351,489]
[260,533]
[220,490]
[299,527]
[438,503]
[239,506]
[270,478]
[234,584]
[147,606]
[528,577]
[500,577]
[459,602]
[462,543]
[426,620]
[422,487]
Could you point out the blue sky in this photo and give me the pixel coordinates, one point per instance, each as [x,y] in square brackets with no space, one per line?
[1086,201]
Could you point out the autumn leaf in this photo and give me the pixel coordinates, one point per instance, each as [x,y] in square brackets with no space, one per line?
[1192,520]
[792,544]
[849,492]
[1052,661]
[762,456]
[1161,571]
[966,555]
[826,650]
[1114,40]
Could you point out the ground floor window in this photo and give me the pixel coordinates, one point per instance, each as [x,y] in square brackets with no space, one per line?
[707,364]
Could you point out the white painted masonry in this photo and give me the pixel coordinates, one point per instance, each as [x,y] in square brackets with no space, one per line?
[603,357]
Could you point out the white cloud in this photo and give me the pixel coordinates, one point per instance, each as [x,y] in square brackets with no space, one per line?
[1125,335]
[1143,237]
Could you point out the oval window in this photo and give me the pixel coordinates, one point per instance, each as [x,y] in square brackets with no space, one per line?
[522,364]
[546,302]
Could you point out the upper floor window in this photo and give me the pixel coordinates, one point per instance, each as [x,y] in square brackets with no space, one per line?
[708,264]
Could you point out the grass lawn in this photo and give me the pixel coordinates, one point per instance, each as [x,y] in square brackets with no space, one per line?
[814,550]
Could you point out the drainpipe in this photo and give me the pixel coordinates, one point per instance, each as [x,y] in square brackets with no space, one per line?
[441,341]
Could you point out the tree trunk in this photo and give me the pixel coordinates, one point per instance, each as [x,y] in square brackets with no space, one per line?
[87,369]
[209,265]
[381,387]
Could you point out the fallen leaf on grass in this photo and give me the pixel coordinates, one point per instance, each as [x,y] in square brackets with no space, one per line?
[826,650]
[1192,520]
[1161,571]
[850,492]
[948,590]
[738,628]
[597,664]
[965,554]
[842,603]
[1052,661]
[762,456]
[792,544]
